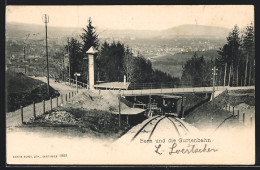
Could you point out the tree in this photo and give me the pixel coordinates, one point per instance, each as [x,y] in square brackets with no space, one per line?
[248,46]
[128,65]
[75,56]
[230,54]
[89,38]
[196,72]
[58,64]
[111,61]
[117,61]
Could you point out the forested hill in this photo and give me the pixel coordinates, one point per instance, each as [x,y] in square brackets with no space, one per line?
[172,64]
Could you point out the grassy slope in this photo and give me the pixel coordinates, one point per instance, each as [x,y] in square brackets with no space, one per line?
[201,116]
[23,90]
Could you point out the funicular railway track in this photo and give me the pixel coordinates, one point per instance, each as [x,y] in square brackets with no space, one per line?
[148,129]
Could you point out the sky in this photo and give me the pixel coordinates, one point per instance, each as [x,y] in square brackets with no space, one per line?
[141,17]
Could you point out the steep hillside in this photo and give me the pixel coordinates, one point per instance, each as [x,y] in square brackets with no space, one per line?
[242,100]
[22,91]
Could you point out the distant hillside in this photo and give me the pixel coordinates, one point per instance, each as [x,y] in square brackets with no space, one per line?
[18,31]
[201,31]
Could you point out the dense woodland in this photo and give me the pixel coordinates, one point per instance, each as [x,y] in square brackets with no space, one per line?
[236,58]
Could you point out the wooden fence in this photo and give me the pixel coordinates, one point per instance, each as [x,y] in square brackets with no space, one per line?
[241,117]
[46,105]
[73,82]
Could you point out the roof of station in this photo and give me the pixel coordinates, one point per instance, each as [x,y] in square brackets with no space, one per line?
[130,111]
[113,85]
[170,96]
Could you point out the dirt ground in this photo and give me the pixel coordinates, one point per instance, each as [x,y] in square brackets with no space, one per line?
[209,117]
[88,100]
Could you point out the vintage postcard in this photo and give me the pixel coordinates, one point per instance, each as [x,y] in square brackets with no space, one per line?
[130,85]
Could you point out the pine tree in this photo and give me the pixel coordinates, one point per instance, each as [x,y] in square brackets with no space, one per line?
[195,71]
[248,46]
[230,54]
[89,37]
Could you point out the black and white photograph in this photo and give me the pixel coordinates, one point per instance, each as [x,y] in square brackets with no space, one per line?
[130,84]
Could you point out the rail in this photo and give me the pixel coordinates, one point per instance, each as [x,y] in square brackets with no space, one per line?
[160,117]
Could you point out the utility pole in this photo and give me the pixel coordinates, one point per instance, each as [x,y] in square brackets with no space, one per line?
[219,78]
[229,76]
[46,20]
[254,73]
[249,81]
[119,110]
[69,59]
[237,73]
[24,60]
[225,74]
[233,77]
[213,90]
[63,66]
[246,70]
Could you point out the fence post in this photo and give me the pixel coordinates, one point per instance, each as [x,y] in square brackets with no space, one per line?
[34,113]
[43,103]
[229,108]
[21,113]
[72,93]
[243,118]
[238,114]
[119,110]
[51,102]
[226,106]
[233,111]
[66,97]
[69,95]
[61,98]
[57,101]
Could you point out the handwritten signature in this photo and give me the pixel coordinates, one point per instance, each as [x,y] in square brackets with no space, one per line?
[190,149]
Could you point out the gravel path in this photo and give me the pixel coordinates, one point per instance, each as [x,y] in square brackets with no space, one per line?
[14,118]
